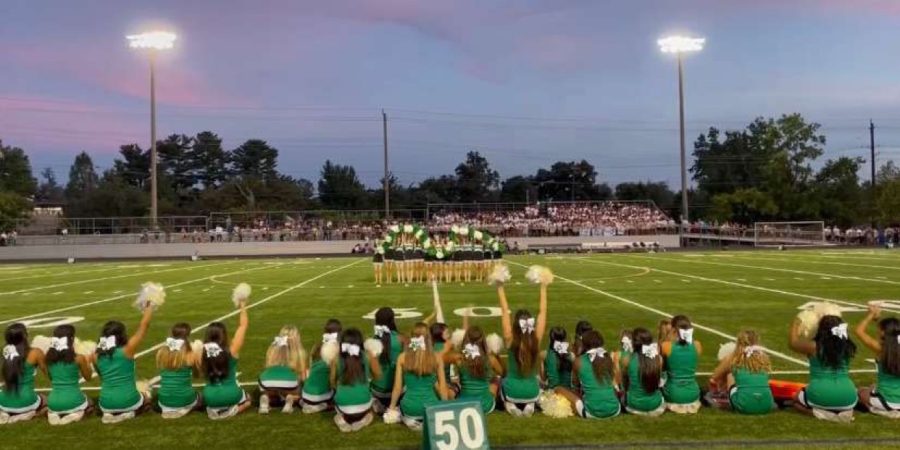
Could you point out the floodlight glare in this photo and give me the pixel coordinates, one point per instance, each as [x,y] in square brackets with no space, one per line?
[156,40]
[680,44]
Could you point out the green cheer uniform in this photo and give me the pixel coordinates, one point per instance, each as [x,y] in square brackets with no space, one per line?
[637,398]
[681,386]
[279,377]
[751,393]
[517,387]
[887,390]
[623,355]
[556,377]
[599,396]
[175,389]
[317,388]
[24,399]
[383,386]
[354,398]
[225,392]
[65,394]
[438,348]
[118,392]
[474,388]
[829,388]
[419,395]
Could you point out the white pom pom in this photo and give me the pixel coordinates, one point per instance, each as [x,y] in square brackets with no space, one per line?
[494,343]
[499,275]
[329,352]
[478,235]
[374,347]
[143,386]
[152,295]
[85,348]
[241,294]
[392,416]
[41,342]
[555,405]
[457,337]
[197,347]
[726,350]
[809,323]
[823,309]
[539,275]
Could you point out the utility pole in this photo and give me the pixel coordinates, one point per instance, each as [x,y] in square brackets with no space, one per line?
[387,191]
[872,161]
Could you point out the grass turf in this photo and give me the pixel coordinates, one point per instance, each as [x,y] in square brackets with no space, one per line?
[723,292]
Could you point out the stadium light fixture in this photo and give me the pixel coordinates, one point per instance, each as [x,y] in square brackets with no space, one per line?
[680,45]
[154,41]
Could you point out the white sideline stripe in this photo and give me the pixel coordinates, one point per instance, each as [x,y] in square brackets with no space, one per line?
[665,314]
[731,283]
[796,260]
[109,299]
[58,274]
[258,303]
[777,269]
[848,256]
[50,286]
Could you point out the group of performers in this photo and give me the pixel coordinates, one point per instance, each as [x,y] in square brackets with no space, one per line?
[406,259]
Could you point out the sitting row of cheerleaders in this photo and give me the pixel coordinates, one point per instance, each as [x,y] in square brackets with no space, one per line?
[399,375]
[408,262]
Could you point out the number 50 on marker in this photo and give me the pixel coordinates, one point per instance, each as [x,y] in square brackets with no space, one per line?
[455,425]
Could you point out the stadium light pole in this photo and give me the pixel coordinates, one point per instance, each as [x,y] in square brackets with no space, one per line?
[153,42]
[679,45]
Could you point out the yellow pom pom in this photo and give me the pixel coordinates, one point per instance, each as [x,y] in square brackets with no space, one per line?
[152,295]
[539,275]
[555,405]
[499,275]
[240,294]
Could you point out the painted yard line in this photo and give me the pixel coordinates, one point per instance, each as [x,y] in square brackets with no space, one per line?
[776,269]
[796,260]
[50,286]
[665,314]
[797,255]
[731,283]
[110,299]
[257,303]
[57,293]
[88,292]
[59,274]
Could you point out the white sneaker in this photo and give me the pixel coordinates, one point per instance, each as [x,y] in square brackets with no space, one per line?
[176,414]
[529,410]
[264,404]
[24,417]
[53,418]
[313,409]
[512,409]
[4,418]
[362,423]
[289,401]
[71,418]
[116,418]
[341,423]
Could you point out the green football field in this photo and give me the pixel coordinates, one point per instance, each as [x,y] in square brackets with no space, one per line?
[722,292]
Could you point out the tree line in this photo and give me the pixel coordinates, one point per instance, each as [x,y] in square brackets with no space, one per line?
[762,172]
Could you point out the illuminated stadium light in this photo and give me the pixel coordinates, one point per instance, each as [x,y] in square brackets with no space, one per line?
[680,44]
[156,40]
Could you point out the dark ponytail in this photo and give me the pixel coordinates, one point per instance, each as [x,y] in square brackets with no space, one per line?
[16,338]
[116,329]
[563,361]
[602,367]
[649,368]
[680,322]
[385,317]
[354,370]
[54,356]
[832,350]
[890,346]
[216,367]
[581,327]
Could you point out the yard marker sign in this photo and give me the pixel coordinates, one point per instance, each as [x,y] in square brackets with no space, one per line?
[455,425]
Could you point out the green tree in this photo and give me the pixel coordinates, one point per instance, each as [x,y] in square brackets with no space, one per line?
[15,172]
[475,179]
[657,192]
[13,208]
[134,167]
[209,162]
[518,189]
[743,206]
[255,158]
[571,180]
[442,189]
[175,162]
[340,188]
[838,193]
[49,190]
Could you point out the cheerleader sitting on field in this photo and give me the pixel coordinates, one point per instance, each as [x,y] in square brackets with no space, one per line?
[393,344]
[595,373]
[350,375]
[557,360]
[178,362]
[440,339]
[478,366]
[279,382]
[581,327]
[119,397]
[420,371]
[883,398]
[681,351]
[745,375]
[18,399]
[65,367]
[642,375]
[222,395]
[317,393]
[830,394]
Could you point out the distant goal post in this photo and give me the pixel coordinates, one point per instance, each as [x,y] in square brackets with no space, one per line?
[789,234]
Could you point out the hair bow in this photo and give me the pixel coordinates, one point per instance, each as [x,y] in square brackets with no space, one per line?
[212,349]
[686,335]
[561,347]
[627,346]
[175,345]
[329,338]
[280,341]
[527,325]
[417,343]
[595,353]
[381,330]
[350,349]
[471,351]
[59,344]
[10,352]
[107,343]
[840,331]
[750,350]
[650,350]
[898,338]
